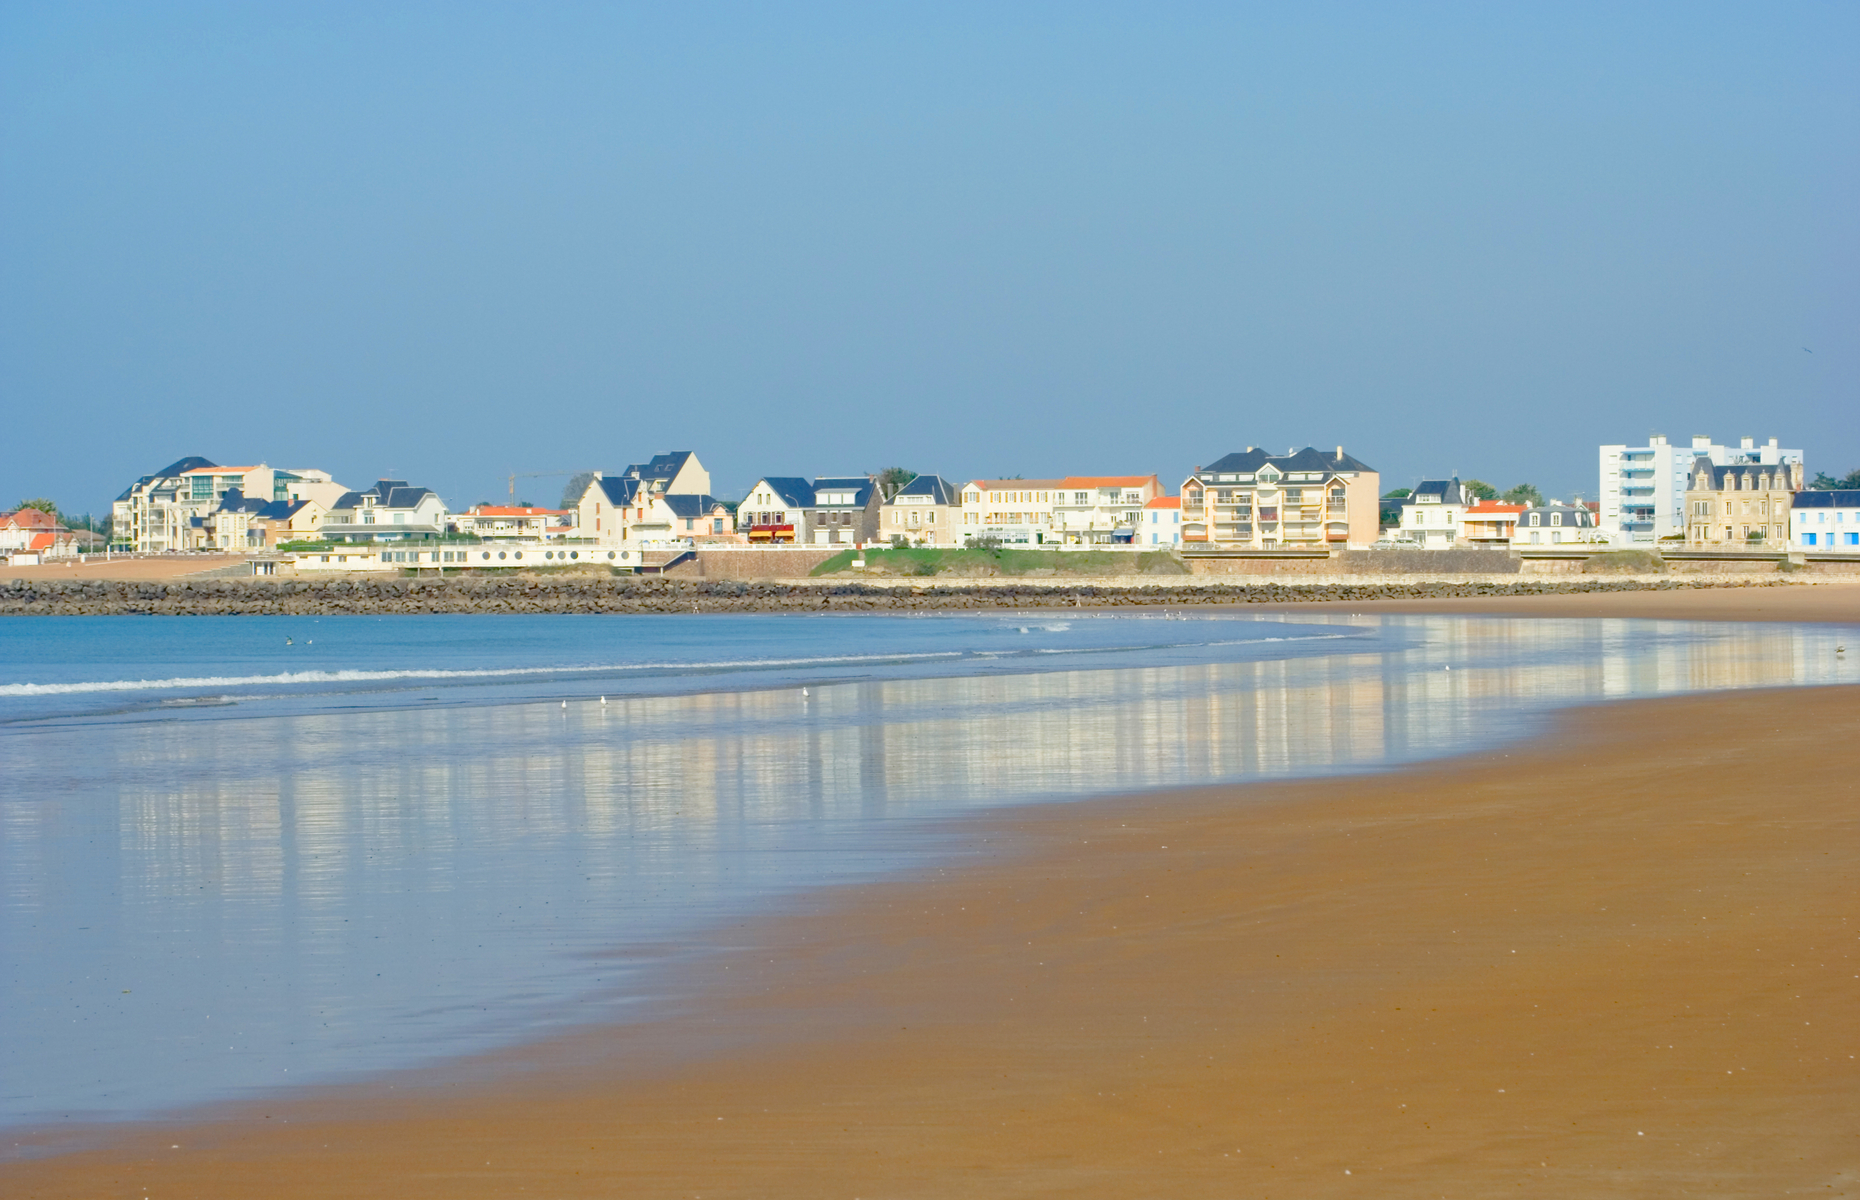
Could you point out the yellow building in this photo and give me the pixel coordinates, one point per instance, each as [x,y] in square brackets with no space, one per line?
[1740,505]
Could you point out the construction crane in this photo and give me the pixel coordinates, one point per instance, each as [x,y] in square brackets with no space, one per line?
[516,475]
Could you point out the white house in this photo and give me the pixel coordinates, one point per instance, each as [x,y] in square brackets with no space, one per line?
[1643,488]
[1825,521]
[391,510]
[1162,522]
[1432,515]
[1555,523]
[619,508]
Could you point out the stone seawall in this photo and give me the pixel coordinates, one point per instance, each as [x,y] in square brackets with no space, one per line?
[595,594]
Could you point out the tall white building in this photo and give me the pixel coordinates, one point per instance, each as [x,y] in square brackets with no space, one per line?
[1643,488]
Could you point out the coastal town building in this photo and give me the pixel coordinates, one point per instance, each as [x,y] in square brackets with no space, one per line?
[676,473]
[1491,523]
[1161,522]
[1743,505]
[1018,512]
[1432,513]
[244,522]
[696,517]
[1825,520]
[1555,523]
[391,510]
[1643,488]
[1101,509]
[924,512]
[504,522]
[1303,499]
[171,509]
[617,508]
[830,510]
[31,534]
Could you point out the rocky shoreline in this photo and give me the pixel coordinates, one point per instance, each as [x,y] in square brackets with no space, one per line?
[628,594]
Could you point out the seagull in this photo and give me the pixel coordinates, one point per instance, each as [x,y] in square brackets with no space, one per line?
[803,693]
[287,641]
[1806,350]
[603,701]
[564,704]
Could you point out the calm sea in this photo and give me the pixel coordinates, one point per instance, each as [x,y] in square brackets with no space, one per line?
[240,854]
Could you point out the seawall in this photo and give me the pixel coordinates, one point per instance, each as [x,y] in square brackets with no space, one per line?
[624,594]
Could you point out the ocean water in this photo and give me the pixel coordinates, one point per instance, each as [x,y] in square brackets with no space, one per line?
[249,853]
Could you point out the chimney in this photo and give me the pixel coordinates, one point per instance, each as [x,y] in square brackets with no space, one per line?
[1747,444]
[1340,452]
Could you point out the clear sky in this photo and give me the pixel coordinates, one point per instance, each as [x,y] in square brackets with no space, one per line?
[449,241]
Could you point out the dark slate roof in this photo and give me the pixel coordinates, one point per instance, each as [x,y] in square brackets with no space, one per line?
[1780,471]
[1583,515]
[1446,491]
[281,510]
[660,466]
[1833,498]
[619,489]
[234,500]
[182,465]
[1308,459]
[941,490]
[689,504]
[388,493]
[792,489]
[176,467]
[861,486]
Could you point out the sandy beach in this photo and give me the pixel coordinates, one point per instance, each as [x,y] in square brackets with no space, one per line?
[1621,961]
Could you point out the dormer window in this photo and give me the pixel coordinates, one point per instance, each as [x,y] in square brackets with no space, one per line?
[1537,519]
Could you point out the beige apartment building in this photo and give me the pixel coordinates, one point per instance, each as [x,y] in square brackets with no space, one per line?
[1303,499]
[927,511]
[1741,505]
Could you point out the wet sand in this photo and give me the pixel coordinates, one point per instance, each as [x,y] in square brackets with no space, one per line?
[1619,962]
[1824,600]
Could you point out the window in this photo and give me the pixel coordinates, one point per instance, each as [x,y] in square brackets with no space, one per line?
[1081,497]
[1537,519]
[1556,518]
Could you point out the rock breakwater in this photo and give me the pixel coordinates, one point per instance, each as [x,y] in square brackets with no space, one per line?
[603,594]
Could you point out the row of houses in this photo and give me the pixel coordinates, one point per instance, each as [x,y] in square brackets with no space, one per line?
[1247,500]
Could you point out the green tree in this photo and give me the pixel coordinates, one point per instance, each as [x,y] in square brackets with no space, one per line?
[1825,482]
[41,503]
[577,484]
[1479,489]
[892,478]
[1524,493]
[1398,494]
[1390,508]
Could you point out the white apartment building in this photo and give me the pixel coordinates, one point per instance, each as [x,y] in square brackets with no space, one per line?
[1101,509]
[1017,511]
[1643,488]
[172,508]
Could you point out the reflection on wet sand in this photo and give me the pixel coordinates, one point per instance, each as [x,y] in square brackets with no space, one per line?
[248,903]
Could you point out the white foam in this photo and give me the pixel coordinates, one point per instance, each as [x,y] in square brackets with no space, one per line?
[289,678]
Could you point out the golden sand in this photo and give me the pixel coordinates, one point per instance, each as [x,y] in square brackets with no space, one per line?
[1621,962]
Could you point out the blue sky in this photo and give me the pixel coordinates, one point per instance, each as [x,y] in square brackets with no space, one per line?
[451,241]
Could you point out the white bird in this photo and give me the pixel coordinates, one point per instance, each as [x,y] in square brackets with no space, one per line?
[287,641]
[603,701]
[564,704]
[803,693]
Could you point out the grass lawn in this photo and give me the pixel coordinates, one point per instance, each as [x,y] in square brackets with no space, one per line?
[1007,562]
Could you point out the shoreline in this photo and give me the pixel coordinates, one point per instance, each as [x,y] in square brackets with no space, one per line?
[959,1032]
[590,594]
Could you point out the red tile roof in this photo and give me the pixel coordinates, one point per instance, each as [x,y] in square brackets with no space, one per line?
[1165,502]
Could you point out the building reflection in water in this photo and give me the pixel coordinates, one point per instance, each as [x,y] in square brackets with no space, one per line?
[245,903]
